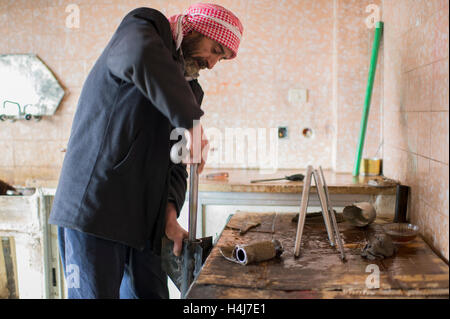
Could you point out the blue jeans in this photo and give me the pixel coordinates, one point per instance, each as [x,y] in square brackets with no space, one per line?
[100,268]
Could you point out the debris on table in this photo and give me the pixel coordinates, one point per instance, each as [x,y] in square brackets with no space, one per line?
[252,223]
[379,246]
[382,182]
[245,227]
[360,214]
[252,253]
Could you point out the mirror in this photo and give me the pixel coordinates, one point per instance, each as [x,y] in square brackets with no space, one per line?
[28,89]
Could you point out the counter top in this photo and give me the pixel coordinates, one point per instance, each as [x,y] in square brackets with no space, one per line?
[239,181]
[338,183]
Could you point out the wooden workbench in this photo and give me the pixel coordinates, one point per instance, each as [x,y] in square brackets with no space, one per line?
[414,272]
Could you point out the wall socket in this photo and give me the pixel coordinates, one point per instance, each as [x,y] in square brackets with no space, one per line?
[282,132]
[298,96]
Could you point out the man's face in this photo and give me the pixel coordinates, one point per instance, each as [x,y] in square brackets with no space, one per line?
[201,52]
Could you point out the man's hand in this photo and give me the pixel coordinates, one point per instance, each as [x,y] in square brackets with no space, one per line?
[174,231]
[203,146]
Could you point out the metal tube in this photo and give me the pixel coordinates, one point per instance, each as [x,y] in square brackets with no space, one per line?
[365,115]
[324,205]
[333,216]
[193,201]
[302,213]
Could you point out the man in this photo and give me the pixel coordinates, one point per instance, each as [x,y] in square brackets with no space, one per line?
[118,192]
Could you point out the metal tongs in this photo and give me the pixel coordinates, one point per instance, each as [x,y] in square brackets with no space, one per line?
[327,211]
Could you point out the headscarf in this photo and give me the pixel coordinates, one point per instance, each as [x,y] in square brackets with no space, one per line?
[211,20]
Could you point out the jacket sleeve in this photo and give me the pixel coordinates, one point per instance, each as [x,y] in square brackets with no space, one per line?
[178,174]
[139,55]
[177,186]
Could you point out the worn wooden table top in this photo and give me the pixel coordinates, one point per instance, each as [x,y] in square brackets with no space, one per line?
[414,272]
[338,183]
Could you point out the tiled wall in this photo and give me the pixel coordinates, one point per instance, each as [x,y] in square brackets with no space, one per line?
[287,44]
[416,106]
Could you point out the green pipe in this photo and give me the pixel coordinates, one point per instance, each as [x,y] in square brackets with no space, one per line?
[365,115]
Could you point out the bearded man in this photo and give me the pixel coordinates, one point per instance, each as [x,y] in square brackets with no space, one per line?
[118,192]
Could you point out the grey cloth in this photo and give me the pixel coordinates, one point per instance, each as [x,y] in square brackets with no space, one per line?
[117,175]
[379,246]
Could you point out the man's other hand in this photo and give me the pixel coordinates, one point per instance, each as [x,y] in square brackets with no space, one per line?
[174,231]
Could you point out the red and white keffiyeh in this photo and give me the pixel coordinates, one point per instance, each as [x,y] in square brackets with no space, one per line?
[211,20]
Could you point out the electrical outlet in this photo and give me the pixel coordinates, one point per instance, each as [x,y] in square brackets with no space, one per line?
[282,132]
[298,96]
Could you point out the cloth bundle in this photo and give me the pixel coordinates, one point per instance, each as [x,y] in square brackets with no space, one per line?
[379,246]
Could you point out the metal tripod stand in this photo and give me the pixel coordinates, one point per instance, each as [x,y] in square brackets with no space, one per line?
[327,211]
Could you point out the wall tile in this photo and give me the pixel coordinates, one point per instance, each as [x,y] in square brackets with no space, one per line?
[38,154]
[439,186]
[32,176]
[424,133]
[49,20]
[69,103]
[44,130]
[7,130]
[4,44]
[423,179]
[73,72]
[21,42]
[440,101]
[419,89]
[412,131]
[6,151]
[439,228]
[7,174]
[20,19]
[440,23]
[439,136]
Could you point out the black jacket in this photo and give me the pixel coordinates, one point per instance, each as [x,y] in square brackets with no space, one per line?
[117,175]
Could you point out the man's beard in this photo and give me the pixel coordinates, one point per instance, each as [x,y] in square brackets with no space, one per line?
[192,65]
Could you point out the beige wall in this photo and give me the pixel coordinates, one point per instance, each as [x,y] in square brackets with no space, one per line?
[416,106]
[287,44]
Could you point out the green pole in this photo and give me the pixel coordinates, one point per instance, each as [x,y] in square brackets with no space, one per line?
[365,115]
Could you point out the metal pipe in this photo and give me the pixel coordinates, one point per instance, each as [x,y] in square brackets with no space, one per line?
[333,216]
[365,115]
[323,204]
[302,213]
[193,201]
